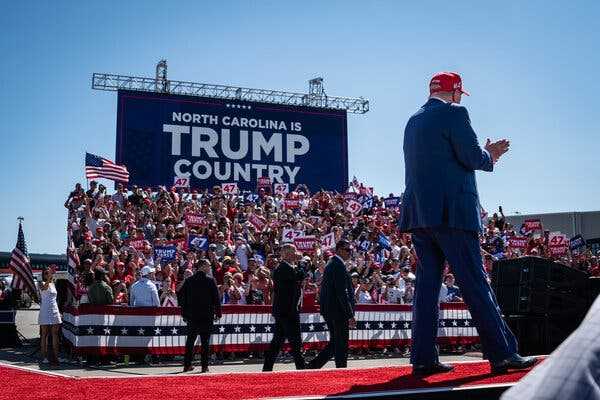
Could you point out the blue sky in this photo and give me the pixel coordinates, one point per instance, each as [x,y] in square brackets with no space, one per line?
[532,69]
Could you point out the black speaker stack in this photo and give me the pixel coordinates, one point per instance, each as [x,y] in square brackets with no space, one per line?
[542,301]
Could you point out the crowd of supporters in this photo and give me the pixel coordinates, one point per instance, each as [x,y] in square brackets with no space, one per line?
[114,237]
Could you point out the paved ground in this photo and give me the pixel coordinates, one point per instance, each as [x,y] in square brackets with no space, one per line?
[28,356]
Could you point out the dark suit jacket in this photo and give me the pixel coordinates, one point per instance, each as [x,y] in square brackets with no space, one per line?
[336,297]
[441,154]
[199,299]
[286,290]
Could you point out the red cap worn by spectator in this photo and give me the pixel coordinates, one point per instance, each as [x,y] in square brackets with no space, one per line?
[446,82]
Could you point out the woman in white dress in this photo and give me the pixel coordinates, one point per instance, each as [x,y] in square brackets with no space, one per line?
[49,316]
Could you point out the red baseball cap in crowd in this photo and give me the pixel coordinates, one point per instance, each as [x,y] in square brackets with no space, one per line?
[446,82]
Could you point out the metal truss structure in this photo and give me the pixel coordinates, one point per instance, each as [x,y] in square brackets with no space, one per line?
[316,96]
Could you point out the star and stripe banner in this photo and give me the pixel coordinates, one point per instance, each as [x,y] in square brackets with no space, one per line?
[125,330]
[21,267]
[99,167]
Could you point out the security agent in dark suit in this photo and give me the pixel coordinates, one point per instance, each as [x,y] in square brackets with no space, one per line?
[440,207]
[337,308]
[287,280]
[198,298]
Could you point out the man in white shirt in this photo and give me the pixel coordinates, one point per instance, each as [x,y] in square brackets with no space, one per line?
[144,292]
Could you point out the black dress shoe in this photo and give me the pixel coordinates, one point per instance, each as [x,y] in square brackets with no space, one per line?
[204,370]
[513,362]
[188,368]
[423,370]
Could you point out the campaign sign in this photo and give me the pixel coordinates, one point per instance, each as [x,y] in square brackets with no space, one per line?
[305,243]
[291,203]
[365,245]
[137,244]
[281,188]
[518,242]
[165,253]
[391,202]
[212,141]
[349,196]
[576,242]
[192,219]
[354,206]
[288,235]
[258,222]
[180,182]
[199,243]
[328,241]
[229,188]
[532,225]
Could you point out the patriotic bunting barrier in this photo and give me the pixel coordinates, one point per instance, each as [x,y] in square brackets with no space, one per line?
[124,330]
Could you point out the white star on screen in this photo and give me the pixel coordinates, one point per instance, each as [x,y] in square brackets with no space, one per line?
[443,323]
[174,331]
[311,327]
[221,329]
[237,329]
[367,325]
[454,323]
[107,331]
[380,325]
[406,325]
[141,331]
[252,328]
[157,331]
[267,328]
[466,322]
[124,331]
[393,325]
[90,330]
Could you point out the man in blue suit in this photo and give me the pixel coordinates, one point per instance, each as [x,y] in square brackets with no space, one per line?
[440,207]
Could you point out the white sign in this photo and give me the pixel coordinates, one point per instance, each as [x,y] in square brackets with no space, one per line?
[328,241]
[281,188]
[354,206]
[229,188]
[290,234]
[181,182]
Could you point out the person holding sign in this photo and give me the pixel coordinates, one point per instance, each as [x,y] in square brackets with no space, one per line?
[287,294]
[441,209]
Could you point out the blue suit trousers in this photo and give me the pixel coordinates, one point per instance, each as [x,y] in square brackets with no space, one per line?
[462,251]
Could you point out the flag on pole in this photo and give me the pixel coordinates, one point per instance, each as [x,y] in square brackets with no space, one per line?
[98,167]
[21,267]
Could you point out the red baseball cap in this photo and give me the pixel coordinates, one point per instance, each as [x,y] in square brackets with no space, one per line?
[446,82]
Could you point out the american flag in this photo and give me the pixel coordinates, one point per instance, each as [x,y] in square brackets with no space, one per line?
[20,266]
[98,167]
[72,263]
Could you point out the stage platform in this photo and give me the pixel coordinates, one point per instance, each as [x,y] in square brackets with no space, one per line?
[470,380]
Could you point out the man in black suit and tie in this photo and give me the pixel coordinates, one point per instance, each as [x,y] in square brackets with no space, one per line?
[200,306]
[337,307]
[287,280]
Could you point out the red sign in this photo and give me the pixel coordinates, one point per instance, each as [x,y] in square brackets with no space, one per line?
[518,242]
[558,251]
[291,203]
[533,225]
[193,219]
[137,244]
[305,244]
[258,222]
[229,188]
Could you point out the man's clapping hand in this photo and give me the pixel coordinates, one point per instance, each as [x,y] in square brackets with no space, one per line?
[497,149]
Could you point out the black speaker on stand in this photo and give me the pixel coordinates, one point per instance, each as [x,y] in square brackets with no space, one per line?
[542,301]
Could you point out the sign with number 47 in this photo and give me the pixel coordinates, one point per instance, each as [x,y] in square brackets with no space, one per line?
[181,182]
[281,188]
[229,188]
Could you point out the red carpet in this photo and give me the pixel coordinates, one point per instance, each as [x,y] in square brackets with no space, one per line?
[20,384]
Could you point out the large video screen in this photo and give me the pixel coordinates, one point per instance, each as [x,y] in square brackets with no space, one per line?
[213,141]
